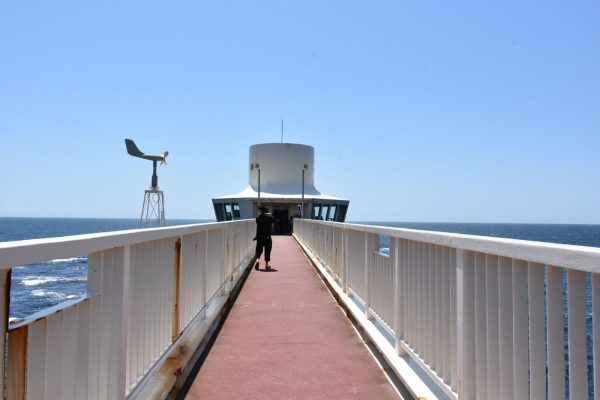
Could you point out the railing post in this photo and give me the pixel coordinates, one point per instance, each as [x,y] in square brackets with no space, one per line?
[367,280]
[124,347]
[481,333]
[205,276]
[345,260]
[223,264]
[578,380]
[465,310]
[596,328]
[537,366]
[505,318]
[492,327]
[17,364]
[177,290]
[398,326]
[520,330]
[5,298]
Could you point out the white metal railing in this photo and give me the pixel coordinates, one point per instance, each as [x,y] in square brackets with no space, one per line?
[144,288]
[482,316]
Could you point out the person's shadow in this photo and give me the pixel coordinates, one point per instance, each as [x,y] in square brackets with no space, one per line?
[264,269]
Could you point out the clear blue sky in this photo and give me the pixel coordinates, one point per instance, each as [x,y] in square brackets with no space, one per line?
[418,110]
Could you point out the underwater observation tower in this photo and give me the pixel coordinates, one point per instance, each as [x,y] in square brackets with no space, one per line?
[281,178]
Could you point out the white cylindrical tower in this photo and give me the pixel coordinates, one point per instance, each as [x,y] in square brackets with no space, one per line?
[281,166]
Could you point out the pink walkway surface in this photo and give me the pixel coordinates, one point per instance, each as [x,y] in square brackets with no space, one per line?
[286,338]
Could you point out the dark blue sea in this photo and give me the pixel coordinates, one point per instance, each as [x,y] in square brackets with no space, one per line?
[39,286]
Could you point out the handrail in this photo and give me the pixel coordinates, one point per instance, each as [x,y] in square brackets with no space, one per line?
[145,290]
[23,252]
[583,258]
[482,316]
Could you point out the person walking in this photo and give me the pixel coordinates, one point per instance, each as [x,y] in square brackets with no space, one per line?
[264,229]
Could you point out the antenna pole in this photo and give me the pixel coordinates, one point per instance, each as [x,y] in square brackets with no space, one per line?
[302,209]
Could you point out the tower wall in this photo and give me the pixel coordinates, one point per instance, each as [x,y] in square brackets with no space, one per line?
[281,166]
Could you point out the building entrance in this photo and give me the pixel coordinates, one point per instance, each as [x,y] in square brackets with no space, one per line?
[282,222]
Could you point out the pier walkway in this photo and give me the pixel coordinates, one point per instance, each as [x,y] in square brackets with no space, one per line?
[286,338]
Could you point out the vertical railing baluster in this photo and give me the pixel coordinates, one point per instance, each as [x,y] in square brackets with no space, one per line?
[577,340]
[420,298]
[520,330]
[223,260]
[367,278]
[405,287]
[5,298]
[124,295]
[555,333]
[412,303]
[36,363]
[492,327]
[108,294]
[54,354]
[506,327]
[204,283]
[345,261]
[596,332]
[480,327]
[395,244]
[446,315]
[94,280]
[83,354]
[390,287]
[69,352]
[454,377]
[176,318]
[465,282]
[16,374]
[439,327]
[429,296]
[537,362]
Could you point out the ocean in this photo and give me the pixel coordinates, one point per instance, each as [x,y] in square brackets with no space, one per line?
[39,286]
[43,285]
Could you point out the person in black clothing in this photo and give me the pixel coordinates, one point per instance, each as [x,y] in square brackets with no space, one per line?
[264,228]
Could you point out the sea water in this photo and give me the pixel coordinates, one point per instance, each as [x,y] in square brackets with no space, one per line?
[38,286]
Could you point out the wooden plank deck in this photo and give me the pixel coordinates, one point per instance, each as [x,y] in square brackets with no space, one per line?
[286,338]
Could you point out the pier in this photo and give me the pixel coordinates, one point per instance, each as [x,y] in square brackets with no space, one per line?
[287,338]
[448,316]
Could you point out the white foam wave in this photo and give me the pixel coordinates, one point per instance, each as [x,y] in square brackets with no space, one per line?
[47,293]
[34,281]
[63,260]
[41,280]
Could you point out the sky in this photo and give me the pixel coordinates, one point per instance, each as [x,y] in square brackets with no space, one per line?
[422,111]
